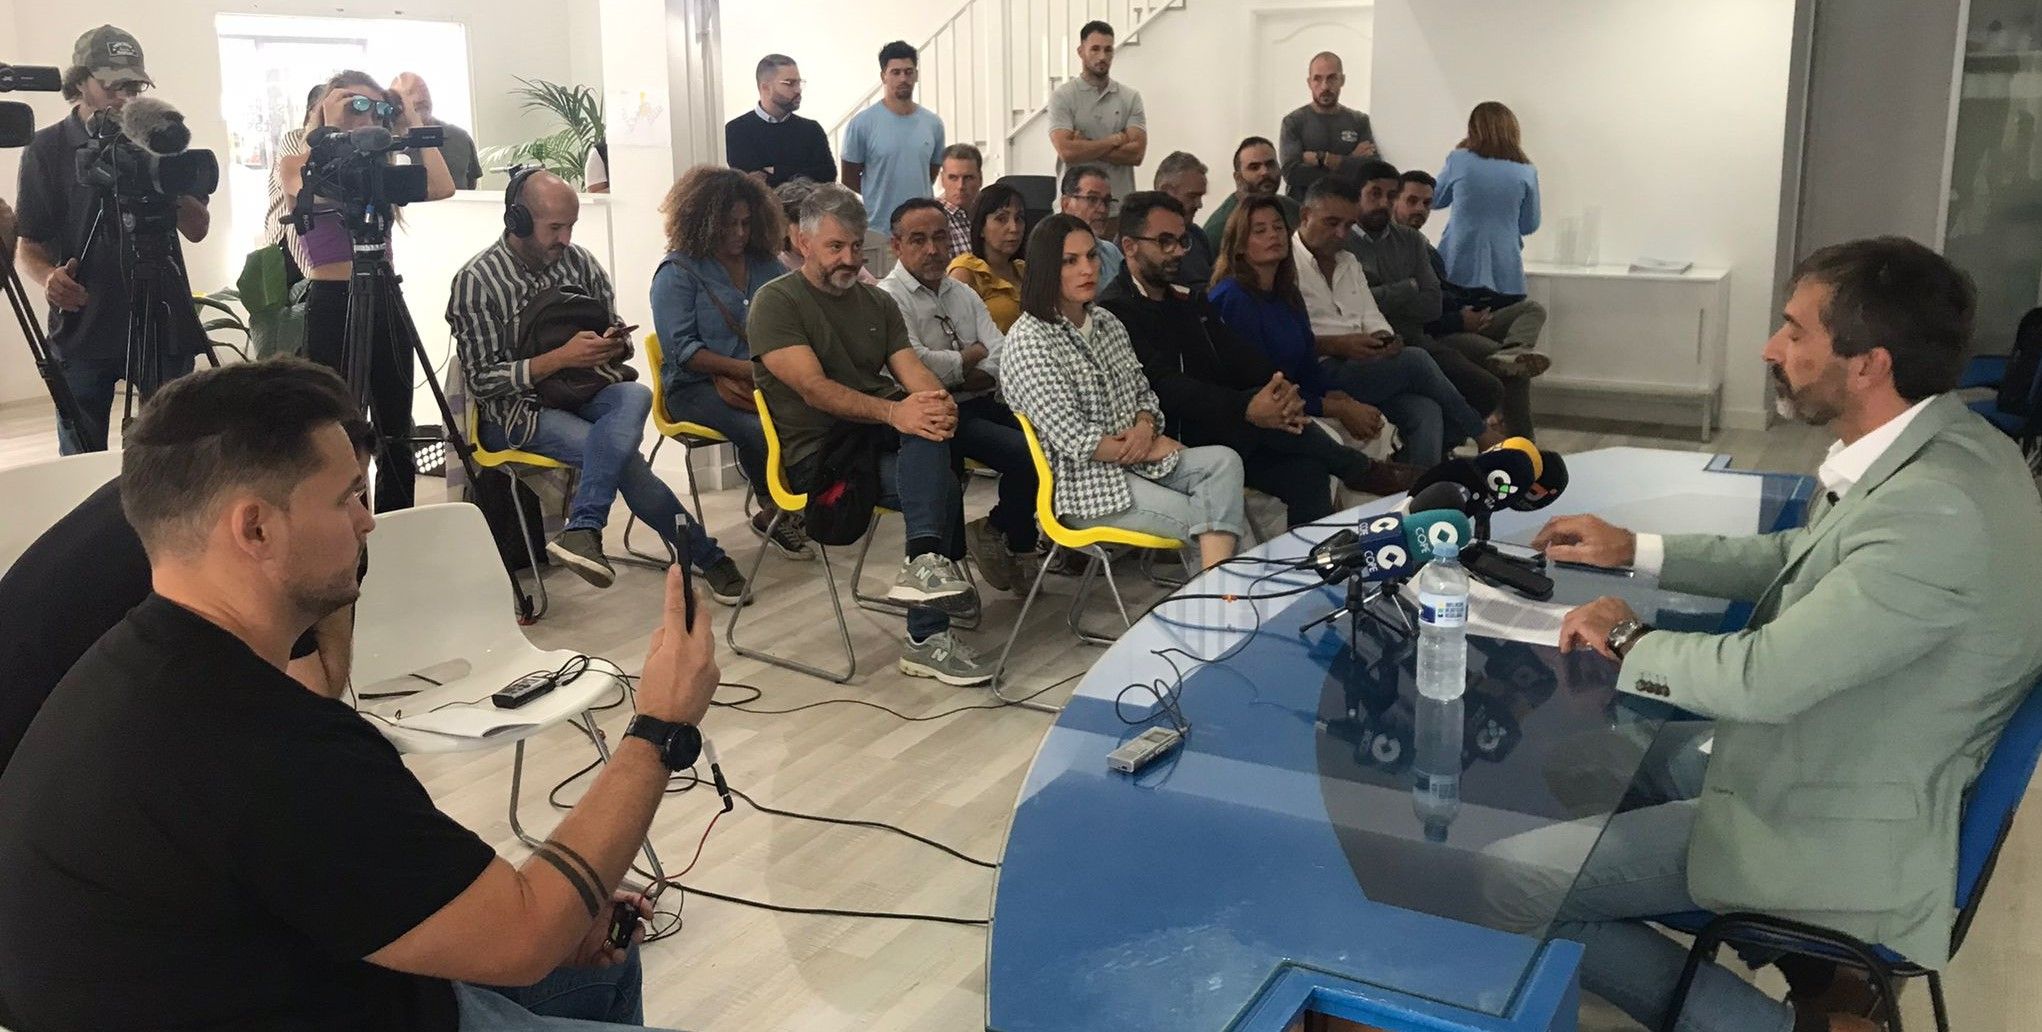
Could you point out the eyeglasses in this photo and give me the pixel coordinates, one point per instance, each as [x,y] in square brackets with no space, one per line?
[364,105]
[1090,198]
[950,330]
[126,88]
[796,83]
[1167,242]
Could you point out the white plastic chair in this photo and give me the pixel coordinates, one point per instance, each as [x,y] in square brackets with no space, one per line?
[34,497]
[432,607]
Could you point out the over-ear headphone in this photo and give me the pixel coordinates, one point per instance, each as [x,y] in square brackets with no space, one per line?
[517,219]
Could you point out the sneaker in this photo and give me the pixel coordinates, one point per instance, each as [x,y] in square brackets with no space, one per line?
[988,548]
[726,585]
[946,659]
[582,551]
[786,539]
[1384,477]
[926,578]
[1518,363]
[962,606]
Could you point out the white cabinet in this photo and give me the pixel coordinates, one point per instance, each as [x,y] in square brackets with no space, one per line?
[1611,331]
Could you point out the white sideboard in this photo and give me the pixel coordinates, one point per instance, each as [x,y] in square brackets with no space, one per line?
[1613,332]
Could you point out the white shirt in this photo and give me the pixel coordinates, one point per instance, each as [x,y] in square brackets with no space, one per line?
[1841,469]
[1344,305]
[926,311]
[760,110]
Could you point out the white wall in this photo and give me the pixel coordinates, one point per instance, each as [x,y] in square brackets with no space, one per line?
[1670,117]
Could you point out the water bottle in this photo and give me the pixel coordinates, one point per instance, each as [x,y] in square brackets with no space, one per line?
[1436,769]
[1443,625]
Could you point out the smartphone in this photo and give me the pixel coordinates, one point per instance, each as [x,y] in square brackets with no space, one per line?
[677,550]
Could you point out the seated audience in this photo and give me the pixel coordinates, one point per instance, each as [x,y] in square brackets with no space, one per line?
[1265,293]
[1182,176]
[496,296]
[85,573]
[1894,634]
[992,269]
[1088,195]
[260,857]
[962,176]
[1501,331]
[831,351]
[770,141]
[1399,267]
[722,229]
[954,336]
[1214,388]
[791,197]
[1070,369]
[1255,175]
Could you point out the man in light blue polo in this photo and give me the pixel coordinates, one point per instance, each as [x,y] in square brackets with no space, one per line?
[893,150]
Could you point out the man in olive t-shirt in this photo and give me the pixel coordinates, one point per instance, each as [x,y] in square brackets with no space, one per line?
[830,351]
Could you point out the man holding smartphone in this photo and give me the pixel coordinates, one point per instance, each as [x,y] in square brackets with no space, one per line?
[535,256]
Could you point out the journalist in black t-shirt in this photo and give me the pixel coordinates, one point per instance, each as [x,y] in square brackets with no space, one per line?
[194,840]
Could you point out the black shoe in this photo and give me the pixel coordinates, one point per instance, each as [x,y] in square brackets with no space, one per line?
[786,539]
[582,551]
[726,585]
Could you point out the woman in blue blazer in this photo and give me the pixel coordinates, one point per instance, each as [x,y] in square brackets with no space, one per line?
[1494,190]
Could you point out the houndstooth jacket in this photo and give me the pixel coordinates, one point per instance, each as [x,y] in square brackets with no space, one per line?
[1077,388]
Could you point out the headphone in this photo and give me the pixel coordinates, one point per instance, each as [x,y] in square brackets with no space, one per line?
[517,219]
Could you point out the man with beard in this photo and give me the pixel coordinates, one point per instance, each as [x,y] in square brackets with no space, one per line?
[1183,177]
[893,150]
[771,141]
[1406,289]
[536,265]
[1891,638]
[1216,388]
[1096,120]
[1255,172]
[831,353]
[1318,139]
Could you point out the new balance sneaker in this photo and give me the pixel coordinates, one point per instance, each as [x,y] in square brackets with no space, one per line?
[946,659]
[786,539]
[988,548]
[926,578]
[726,585]
[582,551]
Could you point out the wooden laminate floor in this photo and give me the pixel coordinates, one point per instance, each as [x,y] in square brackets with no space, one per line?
[954,779]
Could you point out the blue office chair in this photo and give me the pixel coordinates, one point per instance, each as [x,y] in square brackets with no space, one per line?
[1988,816]
[2015,408]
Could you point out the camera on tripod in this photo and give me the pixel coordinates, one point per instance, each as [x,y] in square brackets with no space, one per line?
[353,168]
[142,156]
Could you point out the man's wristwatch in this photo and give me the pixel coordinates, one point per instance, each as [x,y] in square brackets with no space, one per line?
[679,744]
[1625,634]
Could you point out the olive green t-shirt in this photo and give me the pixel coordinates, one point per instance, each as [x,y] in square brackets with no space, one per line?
[852,334]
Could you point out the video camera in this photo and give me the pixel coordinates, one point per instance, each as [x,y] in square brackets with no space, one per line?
[142,154]
[350,166]
[17,120]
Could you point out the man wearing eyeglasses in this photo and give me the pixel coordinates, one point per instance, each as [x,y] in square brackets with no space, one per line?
[1088,195]
[88,322]
[772,142]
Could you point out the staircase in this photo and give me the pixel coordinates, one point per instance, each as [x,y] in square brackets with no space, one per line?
[989,68]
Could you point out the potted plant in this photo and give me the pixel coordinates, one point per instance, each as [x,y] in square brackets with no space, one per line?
[564,152]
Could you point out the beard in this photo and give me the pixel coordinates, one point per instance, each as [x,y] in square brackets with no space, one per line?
[1817,403]
[842,278]
[1374,221]
[1327,99]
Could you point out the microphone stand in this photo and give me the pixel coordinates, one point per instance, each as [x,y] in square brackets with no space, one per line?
[1380,601]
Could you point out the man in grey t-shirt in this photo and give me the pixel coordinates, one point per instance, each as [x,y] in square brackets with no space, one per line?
[1094,120]
[463,162]
[1323,136]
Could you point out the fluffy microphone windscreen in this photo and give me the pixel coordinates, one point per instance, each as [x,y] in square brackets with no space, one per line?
[1547,490]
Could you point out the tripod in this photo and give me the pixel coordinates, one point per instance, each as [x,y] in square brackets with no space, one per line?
[1371,599]
[70,418]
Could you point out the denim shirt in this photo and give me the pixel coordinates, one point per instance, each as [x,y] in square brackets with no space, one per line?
[686,318]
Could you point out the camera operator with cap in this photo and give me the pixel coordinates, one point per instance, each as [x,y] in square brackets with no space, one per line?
[87,289]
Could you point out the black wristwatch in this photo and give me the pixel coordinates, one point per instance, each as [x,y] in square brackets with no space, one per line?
[679,744]
[1625,634]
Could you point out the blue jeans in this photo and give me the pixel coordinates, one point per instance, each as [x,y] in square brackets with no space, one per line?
[602,439]
[988,433]
[698,402]
[568,1000]
[92,382]
[1414,395]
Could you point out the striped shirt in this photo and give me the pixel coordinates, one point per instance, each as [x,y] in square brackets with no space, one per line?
[489,293]
[958,222]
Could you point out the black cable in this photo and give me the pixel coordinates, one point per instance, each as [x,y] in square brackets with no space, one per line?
[780,908]
[742,705]
[875,825]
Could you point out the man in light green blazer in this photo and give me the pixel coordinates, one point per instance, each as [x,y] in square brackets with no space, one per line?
[1892,638]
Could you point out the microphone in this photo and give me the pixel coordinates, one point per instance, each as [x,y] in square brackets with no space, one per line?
[1506,473]
[1388,547]
[1552,480]
[154,125]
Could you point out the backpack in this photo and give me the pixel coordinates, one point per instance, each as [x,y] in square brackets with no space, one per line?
[845,488]
[2017,387]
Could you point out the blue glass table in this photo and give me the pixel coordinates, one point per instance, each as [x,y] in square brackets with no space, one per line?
[1325,839]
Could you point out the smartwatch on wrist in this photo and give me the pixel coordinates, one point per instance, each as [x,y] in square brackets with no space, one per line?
[679,744]
[1626,634]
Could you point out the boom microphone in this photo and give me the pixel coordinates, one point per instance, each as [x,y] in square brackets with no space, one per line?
[154,125]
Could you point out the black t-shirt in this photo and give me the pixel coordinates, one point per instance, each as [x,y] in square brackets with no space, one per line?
[77,581]
[55,210]
[192,840]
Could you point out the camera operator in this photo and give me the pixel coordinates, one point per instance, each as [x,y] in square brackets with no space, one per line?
[89,301]
[325,252]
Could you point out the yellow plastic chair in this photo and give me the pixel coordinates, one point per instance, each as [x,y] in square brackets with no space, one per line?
[516,464]
[690,435]
[1091,541]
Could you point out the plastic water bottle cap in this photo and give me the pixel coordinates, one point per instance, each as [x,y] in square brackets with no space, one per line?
[1446,550]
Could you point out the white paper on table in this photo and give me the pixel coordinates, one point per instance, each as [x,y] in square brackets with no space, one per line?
[1496,613]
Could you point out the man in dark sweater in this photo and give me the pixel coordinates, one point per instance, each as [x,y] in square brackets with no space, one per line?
[771,141]
[1325,137]
[1218,389]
